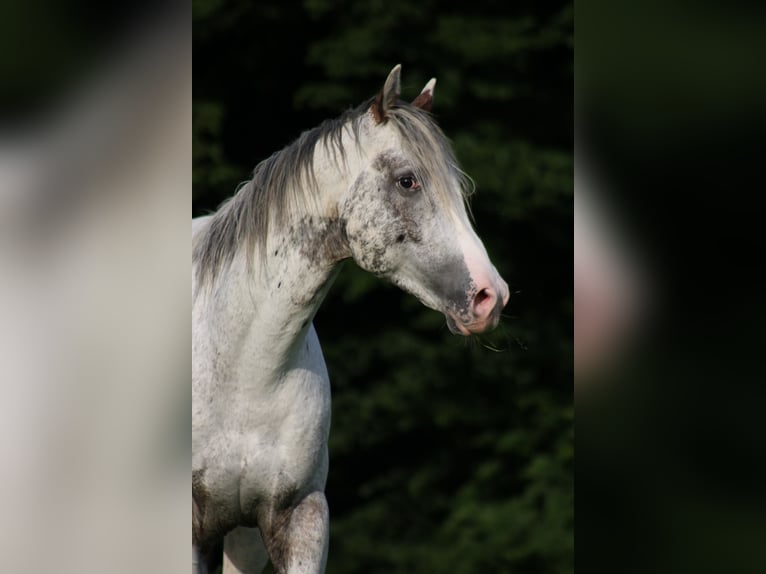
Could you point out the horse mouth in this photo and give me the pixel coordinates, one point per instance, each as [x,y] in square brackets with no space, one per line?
[466,329]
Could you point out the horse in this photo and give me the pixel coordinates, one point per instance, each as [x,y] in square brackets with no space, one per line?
[380,185]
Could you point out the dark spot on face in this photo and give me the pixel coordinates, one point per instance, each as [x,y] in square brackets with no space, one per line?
[386,163]
[400,238]
[276,252]
[396,173]
[451,281]
[376,220]
[279,285]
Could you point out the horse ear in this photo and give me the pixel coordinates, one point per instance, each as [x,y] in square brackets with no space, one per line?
[426,98]
[389,95]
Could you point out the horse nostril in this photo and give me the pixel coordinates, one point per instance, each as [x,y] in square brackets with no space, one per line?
[484,299]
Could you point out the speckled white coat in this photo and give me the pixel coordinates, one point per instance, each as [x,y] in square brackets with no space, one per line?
[261,392]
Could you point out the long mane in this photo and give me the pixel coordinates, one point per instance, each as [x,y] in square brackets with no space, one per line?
[285,183]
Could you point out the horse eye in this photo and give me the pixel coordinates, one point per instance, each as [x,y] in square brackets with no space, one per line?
[407,182]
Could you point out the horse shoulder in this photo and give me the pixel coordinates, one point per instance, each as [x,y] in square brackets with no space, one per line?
[298,424]
[306,416]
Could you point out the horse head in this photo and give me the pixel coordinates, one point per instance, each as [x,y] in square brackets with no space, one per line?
[405,214]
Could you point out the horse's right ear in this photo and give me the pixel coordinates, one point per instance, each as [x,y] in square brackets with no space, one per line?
[388,96]
[426,98]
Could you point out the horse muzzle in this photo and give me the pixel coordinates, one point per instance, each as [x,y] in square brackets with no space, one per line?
[482,313]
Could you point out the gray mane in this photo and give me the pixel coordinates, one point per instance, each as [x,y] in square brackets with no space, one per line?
[285,182]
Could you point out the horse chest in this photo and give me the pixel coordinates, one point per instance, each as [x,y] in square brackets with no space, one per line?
[268,442]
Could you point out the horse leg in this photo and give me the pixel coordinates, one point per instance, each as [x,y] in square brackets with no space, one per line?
[297,537]
[207,558]
[205,563]
[244,552]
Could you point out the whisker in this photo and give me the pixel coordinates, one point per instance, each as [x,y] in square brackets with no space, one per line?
[491,347]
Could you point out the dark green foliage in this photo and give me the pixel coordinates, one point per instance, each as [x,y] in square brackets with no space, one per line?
[447,455]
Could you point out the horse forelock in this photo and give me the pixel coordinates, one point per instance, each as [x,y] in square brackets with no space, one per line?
[431,152]
[285,183]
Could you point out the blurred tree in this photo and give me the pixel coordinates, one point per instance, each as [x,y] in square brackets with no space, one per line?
[446,455]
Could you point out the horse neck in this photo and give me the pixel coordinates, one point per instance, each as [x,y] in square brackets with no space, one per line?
[262,309]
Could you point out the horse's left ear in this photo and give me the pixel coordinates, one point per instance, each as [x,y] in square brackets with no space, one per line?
[426,98]
[387,98]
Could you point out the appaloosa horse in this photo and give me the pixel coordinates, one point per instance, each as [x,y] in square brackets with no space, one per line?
[380,184]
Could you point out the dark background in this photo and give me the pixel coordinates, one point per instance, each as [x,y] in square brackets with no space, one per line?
[447,455]
[671,446]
